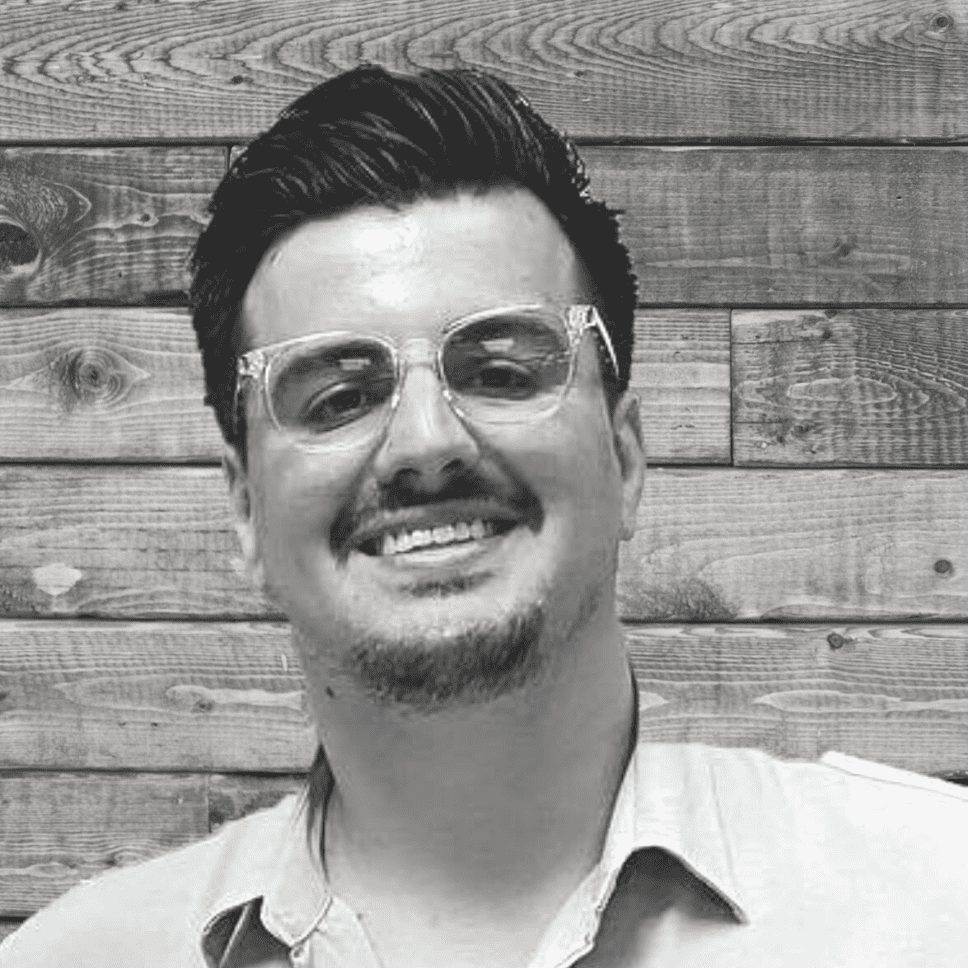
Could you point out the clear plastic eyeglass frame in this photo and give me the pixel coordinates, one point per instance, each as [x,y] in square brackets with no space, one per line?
[256,365]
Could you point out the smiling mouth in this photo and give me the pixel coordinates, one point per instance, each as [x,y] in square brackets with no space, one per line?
[403,540]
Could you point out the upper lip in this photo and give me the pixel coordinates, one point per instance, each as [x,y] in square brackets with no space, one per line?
[373,526]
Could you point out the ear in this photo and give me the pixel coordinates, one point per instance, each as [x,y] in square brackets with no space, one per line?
[630,450]
[240,496]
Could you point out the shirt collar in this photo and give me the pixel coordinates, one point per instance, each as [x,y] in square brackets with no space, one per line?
[289,895]
[297,895]
[668,799]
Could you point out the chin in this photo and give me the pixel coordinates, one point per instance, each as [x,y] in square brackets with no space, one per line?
[435,668]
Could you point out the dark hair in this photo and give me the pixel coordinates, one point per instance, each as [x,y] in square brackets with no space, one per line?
[368,137]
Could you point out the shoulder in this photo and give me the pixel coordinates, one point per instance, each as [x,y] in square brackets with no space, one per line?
[837,782]
[153,912]
[846,809]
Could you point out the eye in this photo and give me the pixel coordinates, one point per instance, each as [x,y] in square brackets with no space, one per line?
[505,378]
[342,403]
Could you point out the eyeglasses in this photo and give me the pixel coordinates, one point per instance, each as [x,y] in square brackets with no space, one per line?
[499,366]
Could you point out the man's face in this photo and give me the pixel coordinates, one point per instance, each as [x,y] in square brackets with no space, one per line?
[535,510]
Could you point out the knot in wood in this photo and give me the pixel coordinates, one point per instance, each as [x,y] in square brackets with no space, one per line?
[92,375]
[941,22]
[942,566]
[19,251]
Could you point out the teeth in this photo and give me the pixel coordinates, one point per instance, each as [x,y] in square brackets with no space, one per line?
[443,535]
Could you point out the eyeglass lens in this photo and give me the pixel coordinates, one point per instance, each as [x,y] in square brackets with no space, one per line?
[497,368]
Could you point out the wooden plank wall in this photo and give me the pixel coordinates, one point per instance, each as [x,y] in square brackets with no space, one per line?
[794,181]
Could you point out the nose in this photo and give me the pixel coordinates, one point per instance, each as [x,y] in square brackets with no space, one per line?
[425,444]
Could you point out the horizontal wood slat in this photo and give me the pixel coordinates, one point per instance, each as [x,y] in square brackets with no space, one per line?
[153,695]
[126,384]
[713,545]
[227,697]
[108,224]
[853,70]
[897,695]
[681,372]
[235,795]
[705,226]
[798,545]
[851,387]
[102,384]
[128,541]
[738,226]
[58,829]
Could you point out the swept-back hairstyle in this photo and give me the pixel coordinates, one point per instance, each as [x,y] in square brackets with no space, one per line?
[368,137]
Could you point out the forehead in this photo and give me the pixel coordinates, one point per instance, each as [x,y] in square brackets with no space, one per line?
[411,270]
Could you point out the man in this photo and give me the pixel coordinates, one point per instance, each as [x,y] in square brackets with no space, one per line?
[416,330]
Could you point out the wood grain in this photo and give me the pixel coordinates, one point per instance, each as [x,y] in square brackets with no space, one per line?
[742,226]
[713,545]
[731,545]
[227,697]
[854,387]
[57,829]
[8,926]
[681,372]
[727,226]
[897,695]
[236,795]
[126,541]
[102,384]
[108,224]
[153,695]
[107,384]
[608,68]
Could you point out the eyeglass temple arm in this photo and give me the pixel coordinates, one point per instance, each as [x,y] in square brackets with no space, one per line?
[248,366]
[591,318]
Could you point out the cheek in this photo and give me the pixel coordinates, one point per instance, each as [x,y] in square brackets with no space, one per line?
[573,469]
[299,496]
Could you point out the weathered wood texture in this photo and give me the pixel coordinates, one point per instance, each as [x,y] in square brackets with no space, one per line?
[798,545]
[713,545]
[103,384]
[228,697]
[725,226]
[236,795]
[851,387]
[57,829]
[126,384]
[108,224]
[752,226]
[848,70]
[130,541]
[892,694]
[681,372]
[152,695]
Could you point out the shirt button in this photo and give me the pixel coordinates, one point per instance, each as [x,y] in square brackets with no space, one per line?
[299,953]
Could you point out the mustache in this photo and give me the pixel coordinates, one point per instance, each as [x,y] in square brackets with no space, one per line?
[407,491]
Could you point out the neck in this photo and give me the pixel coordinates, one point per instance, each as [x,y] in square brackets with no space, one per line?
[499,795]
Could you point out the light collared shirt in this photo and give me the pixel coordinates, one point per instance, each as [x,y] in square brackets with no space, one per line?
[713,858]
